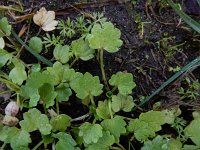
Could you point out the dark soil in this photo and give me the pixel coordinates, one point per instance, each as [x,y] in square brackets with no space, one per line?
[140,54]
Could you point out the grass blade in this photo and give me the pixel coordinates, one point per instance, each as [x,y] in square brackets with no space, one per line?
[196,26]
[39,57]
[198,1]
[191,22]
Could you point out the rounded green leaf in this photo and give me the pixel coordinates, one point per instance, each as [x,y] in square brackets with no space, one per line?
[61,53]
[35,44]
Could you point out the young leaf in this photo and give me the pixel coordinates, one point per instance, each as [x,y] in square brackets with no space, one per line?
[192,130]
[35,44]
[116,126]
[18,73]
[86,85]
[34,120]
[121,102]
[4,57]
[5,28]
[61,53]
[103,109]
[65,141]
[80,48]
[60,122]
[103,143]
[124,82]
[90,132]
[147,124]
[105,36]
[47,94]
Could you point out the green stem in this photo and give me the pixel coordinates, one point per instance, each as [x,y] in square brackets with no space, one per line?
[38,145]
[92,100]
[39,57]
[3,146]
[102,70]
[110,110]
[10,83]
[73,62]
[45,110]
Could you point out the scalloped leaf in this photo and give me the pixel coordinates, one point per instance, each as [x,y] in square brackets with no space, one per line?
[86,85]
[124,82]
[90,132]
[105,36]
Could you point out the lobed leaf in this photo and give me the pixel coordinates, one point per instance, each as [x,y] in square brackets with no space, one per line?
[105,36]
[103,143]
[86,85]
[124,82]
[34,120]
[90,132]
[80,48]
[121,102]
[65,141]
[116,126]
[60,122]
[61,53]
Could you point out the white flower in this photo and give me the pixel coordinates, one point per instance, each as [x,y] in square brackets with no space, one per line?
[2,43]
[45,19]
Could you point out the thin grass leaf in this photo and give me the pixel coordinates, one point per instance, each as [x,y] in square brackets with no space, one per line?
[193,63]
[39,57]
[198,1]
[191,22]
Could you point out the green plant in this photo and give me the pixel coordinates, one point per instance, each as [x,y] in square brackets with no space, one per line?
[191,92]
[39,91]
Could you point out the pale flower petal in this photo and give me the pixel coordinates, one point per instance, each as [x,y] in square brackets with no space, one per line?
[51,26]
[45,19]
[2,43]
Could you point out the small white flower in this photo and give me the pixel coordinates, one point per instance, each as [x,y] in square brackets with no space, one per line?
[2,43]
[45,19]
[12,109]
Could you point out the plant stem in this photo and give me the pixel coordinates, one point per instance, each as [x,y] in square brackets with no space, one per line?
[102,70]
[122,147]
[92,100]
[3,146]
[110,110]
[73,62]
[45,110]
[38,145]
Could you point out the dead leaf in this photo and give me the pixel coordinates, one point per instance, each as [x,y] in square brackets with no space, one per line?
[45,19]
[10,121]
